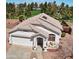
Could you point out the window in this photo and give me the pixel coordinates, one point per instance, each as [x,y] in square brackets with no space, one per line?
[51,37]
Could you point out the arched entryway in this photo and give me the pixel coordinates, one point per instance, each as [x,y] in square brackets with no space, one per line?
[39,41]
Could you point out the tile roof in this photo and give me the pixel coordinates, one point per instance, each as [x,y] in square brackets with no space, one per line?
[49,23]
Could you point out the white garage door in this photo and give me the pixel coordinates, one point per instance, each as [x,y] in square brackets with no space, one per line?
[21,41]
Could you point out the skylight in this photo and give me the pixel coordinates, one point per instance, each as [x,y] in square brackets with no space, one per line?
[44,17]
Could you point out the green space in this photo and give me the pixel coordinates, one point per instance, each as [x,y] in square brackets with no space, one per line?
[59,12]
[35,12]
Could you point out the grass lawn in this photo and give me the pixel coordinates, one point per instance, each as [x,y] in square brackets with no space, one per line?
[35,12]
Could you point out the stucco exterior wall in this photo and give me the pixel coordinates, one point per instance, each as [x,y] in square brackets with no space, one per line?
[33,42]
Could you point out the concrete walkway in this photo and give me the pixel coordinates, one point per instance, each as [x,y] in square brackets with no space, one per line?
[19,52]
[37,53]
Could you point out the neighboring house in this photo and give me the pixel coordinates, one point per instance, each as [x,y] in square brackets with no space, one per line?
[41,30]
[36,8]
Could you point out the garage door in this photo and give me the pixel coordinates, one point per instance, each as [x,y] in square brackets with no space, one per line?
[21,41]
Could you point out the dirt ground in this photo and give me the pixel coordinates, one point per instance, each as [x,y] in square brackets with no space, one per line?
[64,52]
[10,23]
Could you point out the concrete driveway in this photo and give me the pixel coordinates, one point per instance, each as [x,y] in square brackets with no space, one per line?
[23,52]
[19,52]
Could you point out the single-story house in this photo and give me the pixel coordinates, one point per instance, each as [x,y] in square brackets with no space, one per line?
[40,30]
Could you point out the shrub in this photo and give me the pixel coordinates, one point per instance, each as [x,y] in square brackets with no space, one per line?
[21,18]
[63,34]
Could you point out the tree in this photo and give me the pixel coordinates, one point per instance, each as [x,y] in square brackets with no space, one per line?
[44,7]
[20,9]
[49,8]
[27,12]
[25,4]
[29,7]
[61,11]
[67,6]
[10,10]
[54,2]
[53,8]
[62,7]
[62,4]
[49,4]
[41,6]
[32,5]
[45,4]
[36,5]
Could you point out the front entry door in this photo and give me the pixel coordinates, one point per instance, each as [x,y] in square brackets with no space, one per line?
[40,42]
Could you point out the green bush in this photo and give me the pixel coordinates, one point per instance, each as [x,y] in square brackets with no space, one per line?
[63,34]
[21,18]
